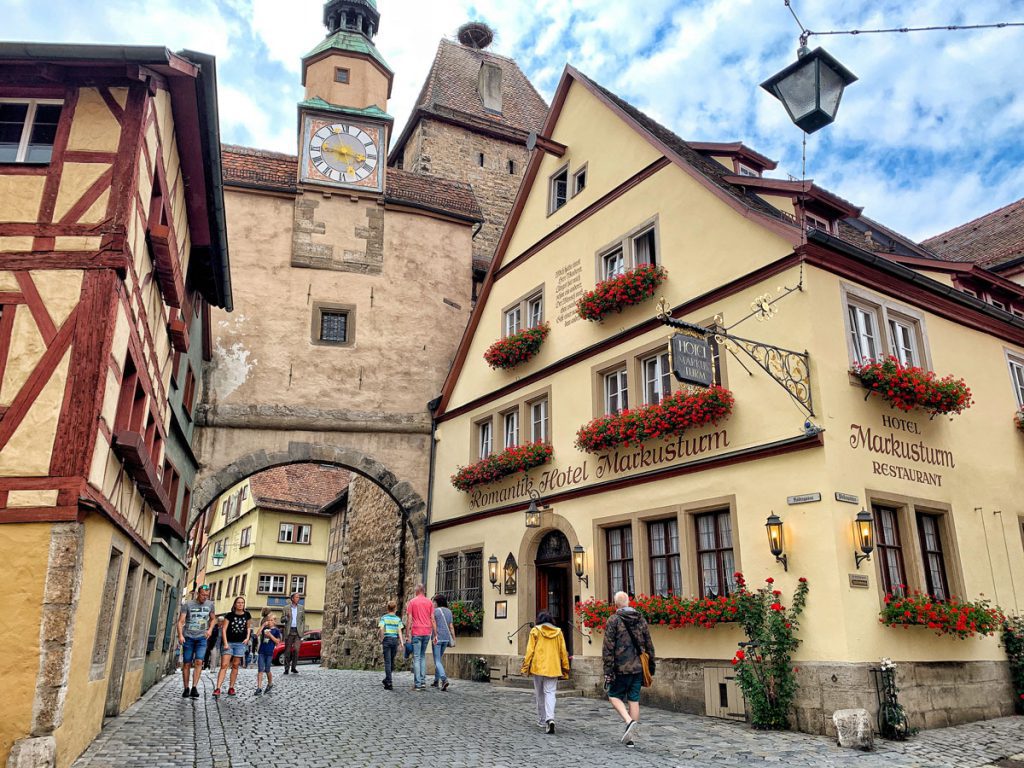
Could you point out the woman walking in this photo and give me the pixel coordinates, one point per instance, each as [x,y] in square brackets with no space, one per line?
[234,629]
[547,660]
[444,637]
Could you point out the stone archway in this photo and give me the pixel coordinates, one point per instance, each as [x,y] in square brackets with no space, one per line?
[550,521]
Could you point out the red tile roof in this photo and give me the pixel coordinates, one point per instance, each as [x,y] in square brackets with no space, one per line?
[990,240]
[247,167]
[299,487]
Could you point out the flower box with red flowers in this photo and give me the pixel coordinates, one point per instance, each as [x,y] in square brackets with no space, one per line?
[517,348]
[961,619]
[518,458]
[674,415]
[670,611]
[907,387]
[1018,419]
[617,293]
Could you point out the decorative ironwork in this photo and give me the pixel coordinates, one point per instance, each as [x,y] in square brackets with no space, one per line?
[553,547]
[892,717]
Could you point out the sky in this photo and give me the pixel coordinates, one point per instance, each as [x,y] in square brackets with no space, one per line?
[931,135]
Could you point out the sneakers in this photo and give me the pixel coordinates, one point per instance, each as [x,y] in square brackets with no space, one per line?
[295,671]
[444,686]
[551,726]
[216,692]
[259,691]
[267,689]
[184,694]
[630,732]
[231,691]
[286,670]
[434,684]
[194,693]
[630,744]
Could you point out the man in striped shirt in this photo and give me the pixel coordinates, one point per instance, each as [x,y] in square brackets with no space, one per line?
[389,630]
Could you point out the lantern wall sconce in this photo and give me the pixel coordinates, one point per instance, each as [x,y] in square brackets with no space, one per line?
[492,572]
[534,510]
[777,540]
[810,88]
[864,535]
[218,557]
[579,555]
[511,574]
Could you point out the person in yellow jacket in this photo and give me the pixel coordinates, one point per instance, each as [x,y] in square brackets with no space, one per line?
[547,660]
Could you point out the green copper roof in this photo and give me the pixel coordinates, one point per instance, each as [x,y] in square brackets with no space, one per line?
[353,42]
[372,111]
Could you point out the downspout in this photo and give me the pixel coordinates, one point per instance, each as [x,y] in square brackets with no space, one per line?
[432,407]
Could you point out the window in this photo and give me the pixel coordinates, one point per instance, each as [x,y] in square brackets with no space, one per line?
[298,585]
[460,576]
[931,551]
[715,560]
[511,427]
[304,533]
[636,247]
[480,159]
[890,549]
[334,327]
[286,533]
[559,193]
[539,421]
[513,321]
[245,538]
[512,167]
[244,493]
[218,547]
[333,324]
[878,327]
[744,170]
[1017,379]
[616,396]
[341,75]
[903,340]
[644,249]
[245,578]
[535,310]
[665,570]
[657,378]
[105,627]
[220,589]
[484,439]
[28,130]
[579,180]
[620,560]
[612,264]
[270,584]
[863,334]
[189,394]
[186,506]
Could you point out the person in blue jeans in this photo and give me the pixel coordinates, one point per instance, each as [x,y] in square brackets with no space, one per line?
[444,637]
[389,631]
[269,636]
[420,619]
[195,623]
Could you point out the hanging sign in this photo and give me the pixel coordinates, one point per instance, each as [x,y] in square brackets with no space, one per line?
[692,361]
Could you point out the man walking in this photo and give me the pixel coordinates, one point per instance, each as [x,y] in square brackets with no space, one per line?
[293,619]
[626,636]
[195,623]
[420,613]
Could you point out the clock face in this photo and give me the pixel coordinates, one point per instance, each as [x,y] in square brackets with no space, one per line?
[342,153]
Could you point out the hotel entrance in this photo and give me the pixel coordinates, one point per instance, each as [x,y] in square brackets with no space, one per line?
[554,592]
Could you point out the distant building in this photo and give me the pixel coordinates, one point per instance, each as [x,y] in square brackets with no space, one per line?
[112,250]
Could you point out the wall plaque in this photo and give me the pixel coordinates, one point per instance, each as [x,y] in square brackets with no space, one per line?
[692,362]
[803,498]
[847,498]
[859,581]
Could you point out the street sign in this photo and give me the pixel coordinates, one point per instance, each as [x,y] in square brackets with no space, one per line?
[692,360]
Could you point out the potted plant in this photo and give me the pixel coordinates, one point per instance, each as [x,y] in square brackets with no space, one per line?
[616,293]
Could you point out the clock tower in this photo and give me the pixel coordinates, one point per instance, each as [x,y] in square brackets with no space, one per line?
[343,121]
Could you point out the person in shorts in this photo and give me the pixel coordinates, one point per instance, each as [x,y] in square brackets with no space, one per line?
[234,627]
[269,636]
[626,636]
[195,623]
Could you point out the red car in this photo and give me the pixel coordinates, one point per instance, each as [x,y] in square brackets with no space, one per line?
[309,649]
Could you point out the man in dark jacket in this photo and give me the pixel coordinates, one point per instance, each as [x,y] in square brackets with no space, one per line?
[626,636]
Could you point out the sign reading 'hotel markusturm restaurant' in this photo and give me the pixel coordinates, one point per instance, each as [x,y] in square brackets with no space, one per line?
[892,445]
[692,362]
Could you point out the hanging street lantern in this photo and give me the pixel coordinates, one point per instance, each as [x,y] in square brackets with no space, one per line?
[533,511]
[218,557]
[810,88]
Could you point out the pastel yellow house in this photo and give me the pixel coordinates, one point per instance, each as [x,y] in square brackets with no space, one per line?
[270,534]
[782,266]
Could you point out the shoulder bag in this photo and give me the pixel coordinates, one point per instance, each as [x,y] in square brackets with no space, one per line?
[644,658]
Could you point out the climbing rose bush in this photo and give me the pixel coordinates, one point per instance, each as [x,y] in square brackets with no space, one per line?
[674,415]
[907,387]
[961,619]
[616,293]
[518,458]
[517,348]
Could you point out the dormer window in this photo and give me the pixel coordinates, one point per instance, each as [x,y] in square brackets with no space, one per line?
[817,222]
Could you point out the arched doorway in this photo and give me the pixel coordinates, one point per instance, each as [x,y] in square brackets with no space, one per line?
[553,568]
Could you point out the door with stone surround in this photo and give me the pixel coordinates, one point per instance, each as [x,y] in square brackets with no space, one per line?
[554,593]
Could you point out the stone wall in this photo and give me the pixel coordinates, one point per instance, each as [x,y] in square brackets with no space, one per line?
[451,152]
[365,575]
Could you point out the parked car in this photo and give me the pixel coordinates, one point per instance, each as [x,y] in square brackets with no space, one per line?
[309,648]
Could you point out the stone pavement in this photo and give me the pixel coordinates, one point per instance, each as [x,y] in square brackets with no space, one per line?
[324,718]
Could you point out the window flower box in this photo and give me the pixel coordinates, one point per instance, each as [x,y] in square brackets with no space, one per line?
[517,348]
[518,458]
[907,387]
[467,617]
[617,293]
[674,415]
[1018,419]
[961,619]
[670,611]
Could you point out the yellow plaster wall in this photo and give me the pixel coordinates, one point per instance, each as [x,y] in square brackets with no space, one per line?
[80,243]
[93,127]
[32,498]
[23,548]
[75,179]
[27,346]
[60,289]
[366,87]
[21,196]
[29,449]
[11,244]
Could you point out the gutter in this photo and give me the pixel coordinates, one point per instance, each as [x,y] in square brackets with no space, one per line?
[432,407]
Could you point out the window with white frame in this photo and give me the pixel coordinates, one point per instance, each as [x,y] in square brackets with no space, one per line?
[579,180]
[644,248]
[636,247]
[1017,378]
[270,584]
[817,222]
[527,312]
[616,395]
[246,537]
[286,533]
[903,339]
[303,534]
[513,320]
[485,439]
[657,378]
[510,422]
[559,193]
[28,128]
[535,310]
[539,421]
[613,264]
[877,328]
[298,585]
[863,333]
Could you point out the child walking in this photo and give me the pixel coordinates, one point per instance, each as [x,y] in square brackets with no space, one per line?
[269,636]
[389,630]
[547,659]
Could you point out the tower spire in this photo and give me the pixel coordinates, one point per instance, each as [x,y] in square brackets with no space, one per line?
[359,16]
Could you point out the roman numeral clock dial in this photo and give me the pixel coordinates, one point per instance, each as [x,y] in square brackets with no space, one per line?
[342,153]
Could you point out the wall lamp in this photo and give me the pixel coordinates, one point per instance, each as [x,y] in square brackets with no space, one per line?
[578,556]
[776,540]
[492,572]
[511,574]
[533,511]
[864,535]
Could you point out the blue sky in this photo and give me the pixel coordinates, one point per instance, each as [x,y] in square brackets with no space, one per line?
[930,136]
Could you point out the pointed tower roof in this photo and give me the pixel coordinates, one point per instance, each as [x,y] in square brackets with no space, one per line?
[351,27]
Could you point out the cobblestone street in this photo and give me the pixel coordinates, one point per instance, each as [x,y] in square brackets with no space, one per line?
[336,717]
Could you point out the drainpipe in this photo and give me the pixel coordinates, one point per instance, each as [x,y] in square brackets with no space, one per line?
[432,407]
